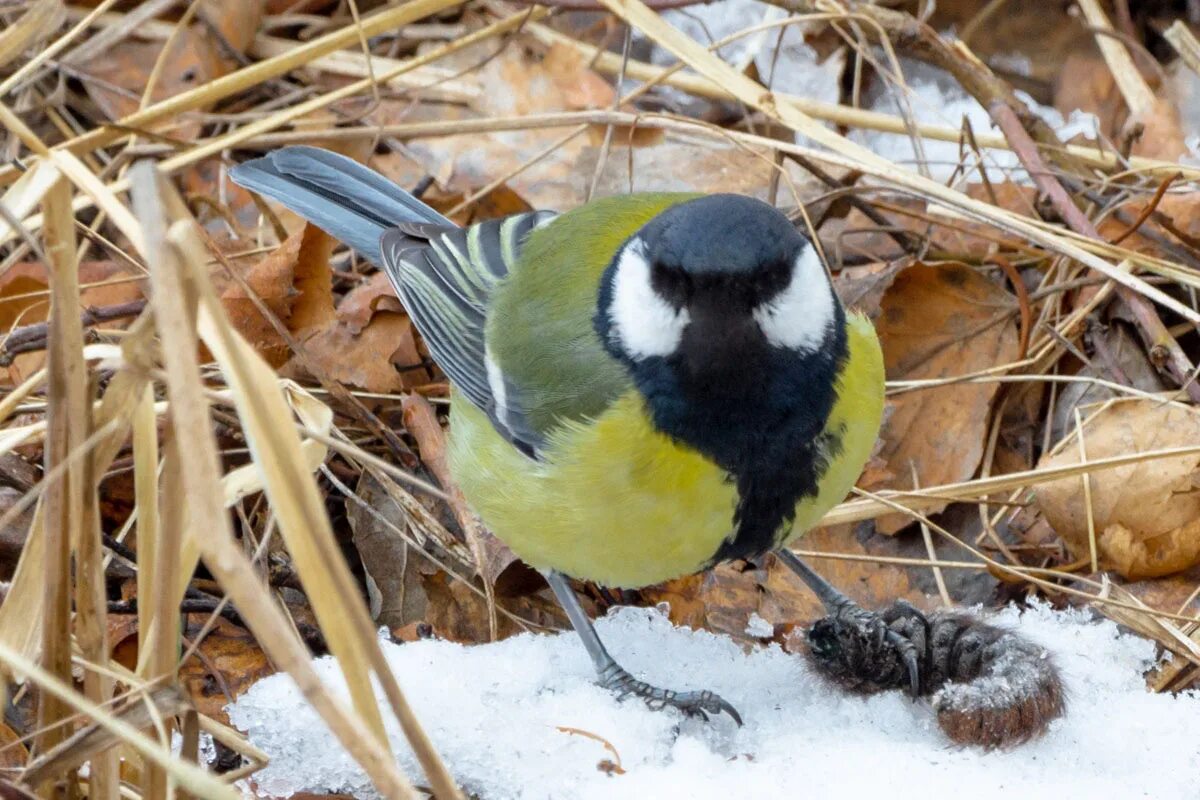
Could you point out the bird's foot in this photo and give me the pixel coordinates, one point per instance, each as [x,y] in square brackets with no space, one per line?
[869,651]
[693,704]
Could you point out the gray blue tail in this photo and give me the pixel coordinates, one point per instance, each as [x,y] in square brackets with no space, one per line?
[351,202]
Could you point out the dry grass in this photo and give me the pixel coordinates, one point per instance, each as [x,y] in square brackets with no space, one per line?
[159,401]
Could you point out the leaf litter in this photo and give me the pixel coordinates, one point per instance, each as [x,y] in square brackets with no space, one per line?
[1009,361]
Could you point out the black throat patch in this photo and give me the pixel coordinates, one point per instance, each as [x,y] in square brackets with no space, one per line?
[756,410]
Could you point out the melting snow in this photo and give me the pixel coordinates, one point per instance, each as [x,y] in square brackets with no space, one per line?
[496,712]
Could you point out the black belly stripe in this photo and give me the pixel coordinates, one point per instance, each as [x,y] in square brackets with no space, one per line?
[768,492]
[756,410]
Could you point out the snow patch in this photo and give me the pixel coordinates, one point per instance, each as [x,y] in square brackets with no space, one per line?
[758,627]
[494,712]
[785,61]
[936,99]
[790,65]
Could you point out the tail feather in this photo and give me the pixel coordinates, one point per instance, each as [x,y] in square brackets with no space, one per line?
[349,201]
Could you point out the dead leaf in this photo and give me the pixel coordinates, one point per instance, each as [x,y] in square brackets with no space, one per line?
[1143,621]
[723,598]
[116,79]
[394,569]
[862,288]
[236,21]
[1179,207]
[710,168]
[1146,515]
[13,752]
[228,662]
[24,300]
[459,614]
[1086,83]
[371,360]
[857,235]
[512,84]
[1171,593]
[1162,135]
[14,533]
[941,321]
[581,88]
[296,284]
[206,182]
[314,282]
[272,280]
[360,303]
[1117,354]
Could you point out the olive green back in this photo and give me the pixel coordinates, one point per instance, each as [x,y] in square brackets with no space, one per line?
[539,327]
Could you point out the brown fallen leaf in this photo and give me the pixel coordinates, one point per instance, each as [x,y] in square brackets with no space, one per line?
[314,307]
[940,321]
[206,181]
[459,614]
[13,752]
[1146,515]
[296,284]
[394,569]
[1117,352]
[1086,83]
[723,598]
[1163,135]
[710,168]
[581,88]
[116,78]
[862,288]
[24,300]
[272,279]
[379,359]
[236,21]
[228,662]
[857,235]
[1180,211]
[359,305]
[513,83]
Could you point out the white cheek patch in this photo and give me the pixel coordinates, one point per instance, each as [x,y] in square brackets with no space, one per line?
[799,317]
[645,323]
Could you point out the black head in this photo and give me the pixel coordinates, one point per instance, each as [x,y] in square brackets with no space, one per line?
[715,284]
[722,236]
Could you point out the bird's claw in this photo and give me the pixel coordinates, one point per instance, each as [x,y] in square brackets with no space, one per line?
[693,704]
[871,651]
[908,654]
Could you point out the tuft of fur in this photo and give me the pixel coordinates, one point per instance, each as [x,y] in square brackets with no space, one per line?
[989,686]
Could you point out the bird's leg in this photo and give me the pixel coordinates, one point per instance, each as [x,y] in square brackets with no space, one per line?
[876,644]
[615,678]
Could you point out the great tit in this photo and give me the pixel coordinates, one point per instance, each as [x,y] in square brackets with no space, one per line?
[642,387]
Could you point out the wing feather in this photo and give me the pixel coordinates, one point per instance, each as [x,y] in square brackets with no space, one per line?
[445,278]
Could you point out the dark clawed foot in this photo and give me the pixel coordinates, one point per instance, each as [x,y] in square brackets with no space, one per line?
[869,651]
[693,704]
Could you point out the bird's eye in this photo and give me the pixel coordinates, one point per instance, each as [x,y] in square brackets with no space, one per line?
[772,279]
[673,285]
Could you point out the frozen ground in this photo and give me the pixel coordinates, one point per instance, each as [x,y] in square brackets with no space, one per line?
[496,712]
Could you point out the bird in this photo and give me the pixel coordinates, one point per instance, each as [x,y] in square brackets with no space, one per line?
[641,387]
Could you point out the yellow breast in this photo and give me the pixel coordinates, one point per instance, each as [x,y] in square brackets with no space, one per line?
[616,502]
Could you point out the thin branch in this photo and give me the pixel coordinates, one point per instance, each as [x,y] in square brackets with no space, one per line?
[29,338]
